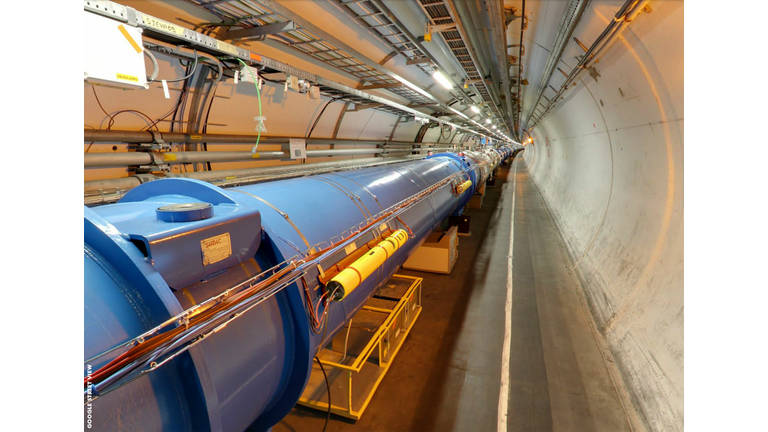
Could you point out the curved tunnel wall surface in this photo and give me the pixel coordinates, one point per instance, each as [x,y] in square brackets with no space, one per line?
[609,163]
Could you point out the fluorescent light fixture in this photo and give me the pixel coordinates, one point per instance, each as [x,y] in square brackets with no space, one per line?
[488,121]
[475,109]
[439,77]
[459,113]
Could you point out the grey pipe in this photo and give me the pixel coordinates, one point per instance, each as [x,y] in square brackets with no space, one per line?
[116,159]
[348,152]
[95,160]
[97,187]
[112,184]
[139,137]
[155,67]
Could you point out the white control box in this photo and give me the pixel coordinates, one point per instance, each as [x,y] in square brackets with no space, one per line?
[248,74]
[114,53]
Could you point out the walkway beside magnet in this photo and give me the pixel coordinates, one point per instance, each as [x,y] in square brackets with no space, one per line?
[447,375]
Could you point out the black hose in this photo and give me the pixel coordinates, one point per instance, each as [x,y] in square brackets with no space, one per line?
[191,73]
[320,115]
[327,386]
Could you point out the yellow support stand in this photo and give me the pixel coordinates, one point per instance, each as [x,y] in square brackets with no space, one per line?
[378,331]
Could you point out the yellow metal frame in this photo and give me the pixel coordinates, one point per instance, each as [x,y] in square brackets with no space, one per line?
[386,352]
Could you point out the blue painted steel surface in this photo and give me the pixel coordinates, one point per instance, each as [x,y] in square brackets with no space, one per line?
[187,212]
[140,271]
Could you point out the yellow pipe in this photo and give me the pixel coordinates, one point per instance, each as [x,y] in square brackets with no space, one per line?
[462,187]
[349,279]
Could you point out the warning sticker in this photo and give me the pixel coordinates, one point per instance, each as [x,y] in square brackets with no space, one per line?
[350,248]
[216,249]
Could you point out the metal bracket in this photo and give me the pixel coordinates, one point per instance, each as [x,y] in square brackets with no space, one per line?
[422,60]
[258,33]
[381,86]
[145,169]
[144,178]
[157,144]
[509,16]
[440,27]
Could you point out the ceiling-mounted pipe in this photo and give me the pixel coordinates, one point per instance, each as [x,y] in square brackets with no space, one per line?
[571,17]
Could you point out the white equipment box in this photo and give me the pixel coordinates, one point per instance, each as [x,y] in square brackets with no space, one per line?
[114,53]
[437,254]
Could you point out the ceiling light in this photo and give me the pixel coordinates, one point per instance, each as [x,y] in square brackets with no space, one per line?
[439,77]
[475,109]
[494,126]
[488,121]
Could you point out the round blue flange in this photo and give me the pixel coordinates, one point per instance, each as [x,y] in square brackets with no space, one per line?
[187,212]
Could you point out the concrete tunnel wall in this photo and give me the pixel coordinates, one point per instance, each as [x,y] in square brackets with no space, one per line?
[609,163]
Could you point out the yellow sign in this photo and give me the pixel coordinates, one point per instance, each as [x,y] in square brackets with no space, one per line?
[127,77]
[216,249]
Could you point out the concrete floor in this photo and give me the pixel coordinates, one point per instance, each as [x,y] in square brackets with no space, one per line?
[447,374]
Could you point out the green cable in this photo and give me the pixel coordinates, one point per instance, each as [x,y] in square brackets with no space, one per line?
[258,93]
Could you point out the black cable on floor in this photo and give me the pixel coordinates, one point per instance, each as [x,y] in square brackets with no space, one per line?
[328,386]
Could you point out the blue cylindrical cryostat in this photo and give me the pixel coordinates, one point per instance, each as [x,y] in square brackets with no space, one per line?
[170,244]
